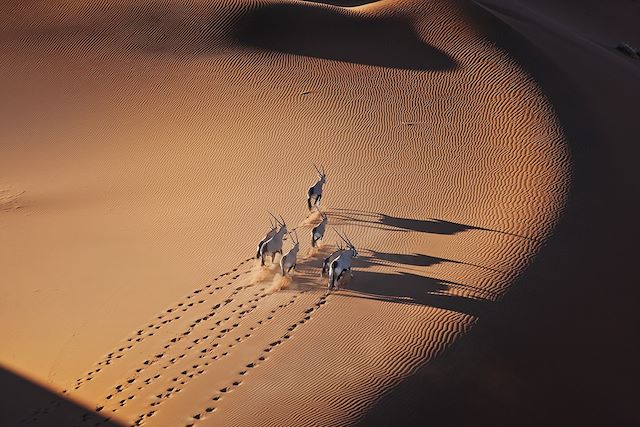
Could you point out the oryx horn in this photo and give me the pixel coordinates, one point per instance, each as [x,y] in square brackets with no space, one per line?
[277,220]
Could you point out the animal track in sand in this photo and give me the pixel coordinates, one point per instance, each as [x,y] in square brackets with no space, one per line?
[143,333]
[174,341]
[261,358]
[203,342]
[148,331]
[196,370]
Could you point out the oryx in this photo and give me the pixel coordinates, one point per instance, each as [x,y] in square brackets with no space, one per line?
[289,260]
[269,235]
[328,260]
[342,264]
[317,233]
[315,192]
[274,244]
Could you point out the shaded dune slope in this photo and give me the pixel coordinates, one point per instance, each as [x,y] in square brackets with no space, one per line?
[331,33]
[557,352]
[19,396]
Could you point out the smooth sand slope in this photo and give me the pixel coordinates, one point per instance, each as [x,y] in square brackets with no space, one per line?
[145,144]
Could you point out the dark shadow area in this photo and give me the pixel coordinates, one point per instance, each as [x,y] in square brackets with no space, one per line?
[392,223]
[418,260]
[402,287]
[23,402]
[388,222]
[421,260]
[408,261]
[434,226]
[321,32]
[406,288]
[560,349]
[344,3]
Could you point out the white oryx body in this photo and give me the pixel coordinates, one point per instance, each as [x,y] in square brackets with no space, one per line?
[318,231]
[342,263]
[315,191]
[290,259]
[274,244]
[269,235]
[328,260]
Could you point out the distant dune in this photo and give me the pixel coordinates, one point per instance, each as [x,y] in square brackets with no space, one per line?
[144,144]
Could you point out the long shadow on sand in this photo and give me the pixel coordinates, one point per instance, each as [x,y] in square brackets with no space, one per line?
[418,260]
[407,288]
[402,288]
[345,3]
[322,32]
[392,223]
[20,397]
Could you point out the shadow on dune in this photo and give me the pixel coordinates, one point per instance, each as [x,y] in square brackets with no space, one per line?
[321,32]
[430,225]
[401,287]
[434,226]
[344,3]
[407,288]
[21,397]
[418,260]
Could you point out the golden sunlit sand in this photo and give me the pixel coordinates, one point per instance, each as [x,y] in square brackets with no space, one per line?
[144,144]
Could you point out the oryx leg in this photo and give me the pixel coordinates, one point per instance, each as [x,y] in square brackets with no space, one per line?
[341,276]
[309,202]
[333,278]
[338,280]
[325,268]
[318,197]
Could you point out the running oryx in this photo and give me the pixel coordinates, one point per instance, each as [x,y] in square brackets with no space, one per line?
[269,235]
[318,231]
[274,244]
[342,264]
[289,260]
[315,192]
[328,260]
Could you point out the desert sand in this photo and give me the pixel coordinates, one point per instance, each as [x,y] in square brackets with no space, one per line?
[144,143]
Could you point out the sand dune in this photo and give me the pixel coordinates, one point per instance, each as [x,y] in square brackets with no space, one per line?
[150,142]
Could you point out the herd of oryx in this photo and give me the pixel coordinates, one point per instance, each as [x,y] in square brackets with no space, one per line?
[334,267]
